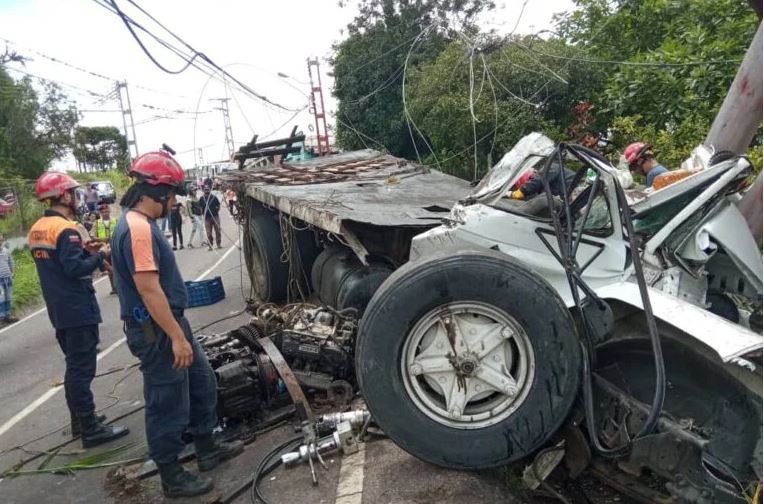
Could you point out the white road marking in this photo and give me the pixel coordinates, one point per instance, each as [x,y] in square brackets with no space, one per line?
[41,310]
[52,391]
[350,485]
[222,258]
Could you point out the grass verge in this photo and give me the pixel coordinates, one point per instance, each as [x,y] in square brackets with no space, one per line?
[26,284]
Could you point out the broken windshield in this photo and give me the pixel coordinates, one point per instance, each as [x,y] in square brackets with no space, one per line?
[527,153]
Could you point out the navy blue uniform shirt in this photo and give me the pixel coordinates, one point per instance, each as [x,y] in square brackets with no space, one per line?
[65,270]
[138,245]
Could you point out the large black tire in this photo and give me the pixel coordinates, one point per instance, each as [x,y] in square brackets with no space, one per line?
[263,250]
[489,278]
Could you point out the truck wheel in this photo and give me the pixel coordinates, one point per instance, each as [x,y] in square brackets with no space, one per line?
[262,251]
[468,361]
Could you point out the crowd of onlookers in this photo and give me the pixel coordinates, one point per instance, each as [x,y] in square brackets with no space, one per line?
[201,211]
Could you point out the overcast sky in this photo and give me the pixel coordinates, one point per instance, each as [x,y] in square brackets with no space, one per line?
[253,40]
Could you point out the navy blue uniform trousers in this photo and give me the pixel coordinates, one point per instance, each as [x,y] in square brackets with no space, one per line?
[176,400]
[80,346]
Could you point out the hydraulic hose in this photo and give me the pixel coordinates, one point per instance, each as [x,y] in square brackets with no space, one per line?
[568,246]
[270,462]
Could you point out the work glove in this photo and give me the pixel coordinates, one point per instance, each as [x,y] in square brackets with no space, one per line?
[518,195]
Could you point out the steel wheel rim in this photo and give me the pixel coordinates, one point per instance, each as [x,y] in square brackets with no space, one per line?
[480,379]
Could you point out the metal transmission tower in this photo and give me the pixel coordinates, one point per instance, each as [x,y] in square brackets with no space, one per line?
[227,124]
[317,107]
[127,119]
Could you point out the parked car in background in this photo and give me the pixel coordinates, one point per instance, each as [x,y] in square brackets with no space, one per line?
[6,207]
[106,192]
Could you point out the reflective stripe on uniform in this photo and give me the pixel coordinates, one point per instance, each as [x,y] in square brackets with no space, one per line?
[141,242]
[45,232]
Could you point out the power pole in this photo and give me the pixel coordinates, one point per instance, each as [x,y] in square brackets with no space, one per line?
[226,124]
[735,126]
[127,118]
[317,108]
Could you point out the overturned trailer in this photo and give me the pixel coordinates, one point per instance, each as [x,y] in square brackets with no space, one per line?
[625,323]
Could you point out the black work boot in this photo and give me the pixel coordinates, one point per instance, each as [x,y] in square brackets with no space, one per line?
[95,433]
[75,426]
[177,482]
[211,451]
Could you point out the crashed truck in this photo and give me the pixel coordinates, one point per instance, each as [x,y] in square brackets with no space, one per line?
[616,329]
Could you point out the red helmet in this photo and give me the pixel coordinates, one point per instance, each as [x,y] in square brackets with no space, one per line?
[53,184]
[635,152]
[159,168]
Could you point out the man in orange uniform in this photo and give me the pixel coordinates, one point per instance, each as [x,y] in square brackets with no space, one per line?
[65,266]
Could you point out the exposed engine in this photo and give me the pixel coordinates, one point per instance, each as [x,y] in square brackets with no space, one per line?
[316,342]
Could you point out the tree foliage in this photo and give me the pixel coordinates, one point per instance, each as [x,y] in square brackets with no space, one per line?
[369,66]
[100,148]
[512,89]
[654,70]
[34,129]
[702,41]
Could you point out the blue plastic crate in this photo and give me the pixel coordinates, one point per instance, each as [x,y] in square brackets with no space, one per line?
[205,292]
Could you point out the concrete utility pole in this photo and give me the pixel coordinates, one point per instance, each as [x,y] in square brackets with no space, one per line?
[226,124]
[735,126]
[127,118]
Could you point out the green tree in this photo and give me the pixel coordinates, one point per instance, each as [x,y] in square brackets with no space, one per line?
[99,148]
[514,91]
[701,42]
[369,66]
[34,130]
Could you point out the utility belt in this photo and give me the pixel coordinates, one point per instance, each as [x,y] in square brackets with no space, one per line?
[132,323]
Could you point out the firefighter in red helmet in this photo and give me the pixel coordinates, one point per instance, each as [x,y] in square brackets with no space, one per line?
[179,384]
[65,265]
[641,160]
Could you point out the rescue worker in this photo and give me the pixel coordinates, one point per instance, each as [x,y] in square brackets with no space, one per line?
[65,266]
[535,185]
[179,384]
[642,160]
[103,229]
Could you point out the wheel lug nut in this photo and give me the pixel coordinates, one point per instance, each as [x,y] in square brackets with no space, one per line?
[510,390]
[416,369]
[506,333]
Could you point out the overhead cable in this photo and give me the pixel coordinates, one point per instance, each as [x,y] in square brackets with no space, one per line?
[84,70]
[72,86]
[189,60]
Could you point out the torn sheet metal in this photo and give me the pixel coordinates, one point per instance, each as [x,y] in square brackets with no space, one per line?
[728,339]
[361,186]
[528,152]
[724,228]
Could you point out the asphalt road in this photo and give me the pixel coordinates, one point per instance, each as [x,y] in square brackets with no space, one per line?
[33,416]
[31,363]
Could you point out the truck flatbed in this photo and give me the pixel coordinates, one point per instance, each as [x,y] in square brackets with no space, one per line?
[364,186]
